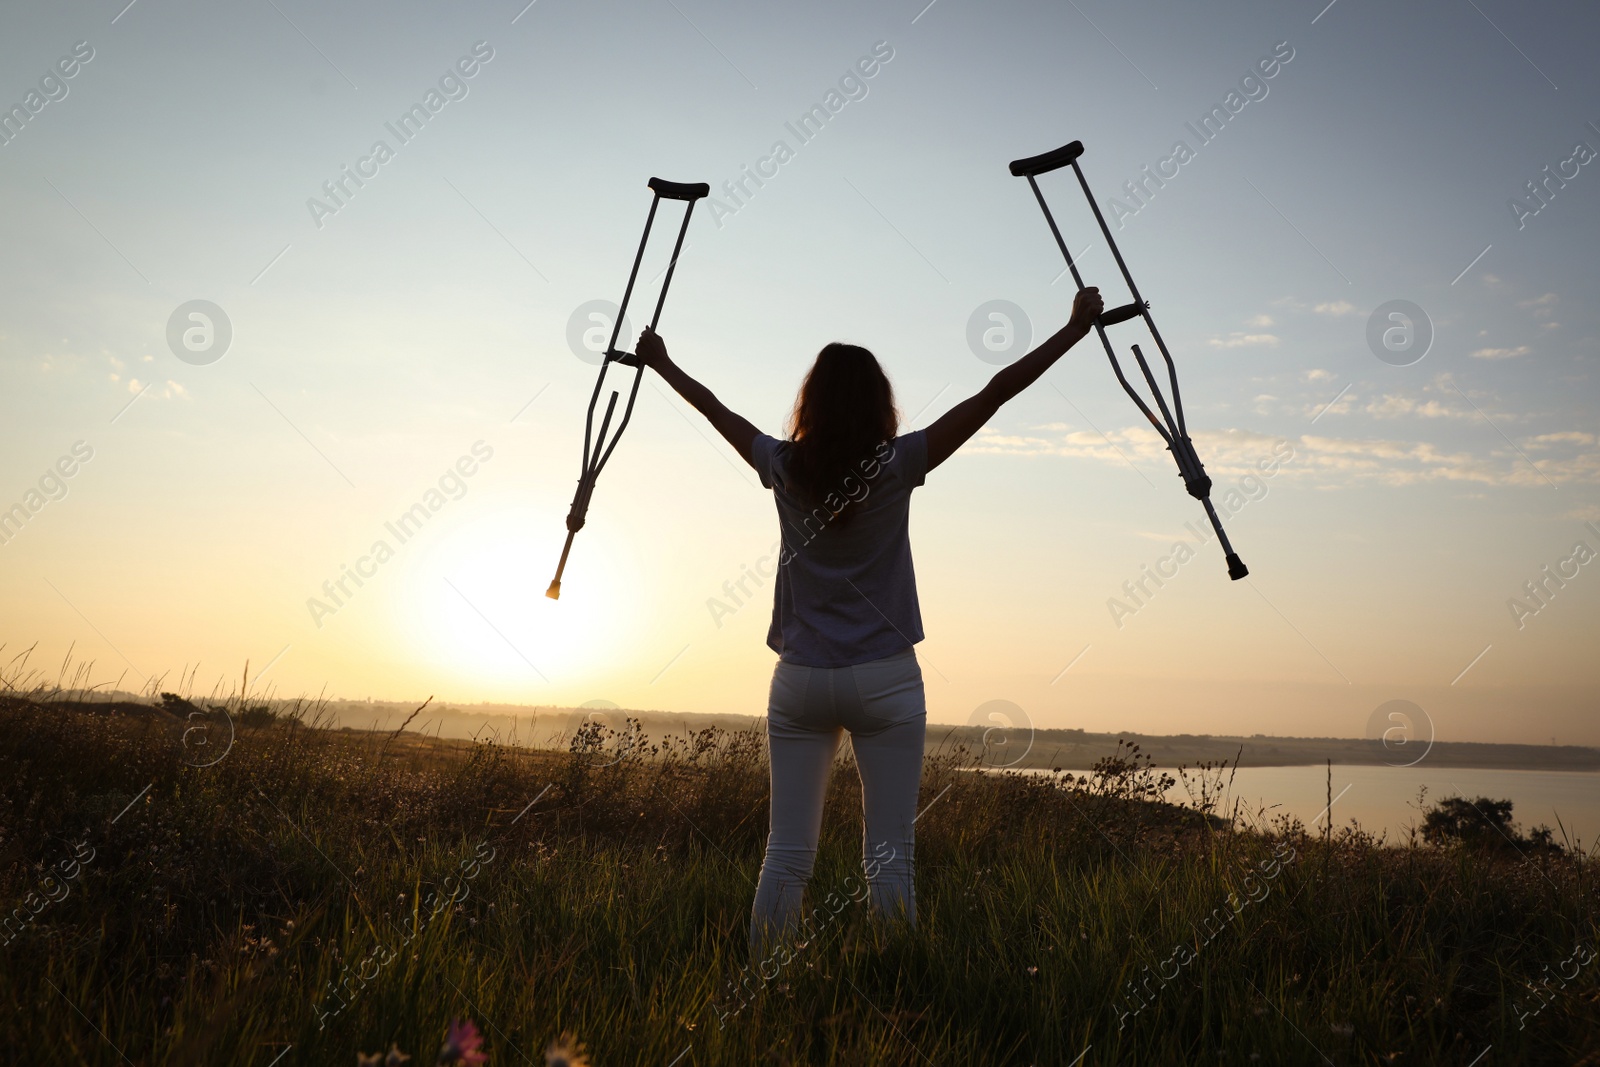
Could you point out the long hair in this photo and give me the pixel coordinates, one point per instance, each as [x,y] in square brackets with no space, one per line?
[843,412]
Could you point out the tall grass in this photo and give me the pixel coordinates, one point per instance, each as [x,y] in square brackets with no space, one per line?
[318,893]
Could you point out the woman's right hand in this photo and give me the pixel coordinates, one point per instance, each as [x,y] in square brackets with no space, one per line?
[1086,307]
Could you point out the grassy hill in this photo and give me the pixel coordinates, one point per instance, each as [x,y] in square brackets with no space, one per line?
[183,887]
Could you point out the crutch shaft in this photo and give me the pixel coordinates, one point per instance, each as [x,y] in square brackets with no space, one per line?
[1133,394]
[672,265]
[1105,318]
[1155,391]
[633,275]
[1127,275]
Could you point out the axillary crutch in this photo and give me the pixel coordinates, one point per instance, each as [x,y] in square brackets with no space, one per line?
[597,448]
[1172,430]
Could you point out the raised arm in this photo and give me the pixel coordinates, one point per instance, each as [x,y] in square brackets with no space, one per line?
[952,429]
[734,428]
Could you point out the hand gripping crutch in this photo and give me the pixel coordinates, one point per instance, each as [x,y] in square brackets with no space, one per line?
[1172,430]
[597,448]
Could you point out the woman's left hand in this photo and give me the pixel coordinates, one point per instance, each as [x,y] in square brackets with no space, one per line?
[651,349]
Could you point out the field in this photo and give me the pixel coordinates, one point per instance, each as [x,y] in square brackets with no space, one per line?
[214,883]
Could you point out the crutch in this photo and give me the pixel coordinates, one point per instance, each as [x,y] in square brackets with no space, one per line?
[597,449]
[1172,430]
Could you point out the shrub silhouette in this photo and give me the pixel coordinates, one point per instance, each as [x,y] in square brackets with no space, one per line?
[1480,823]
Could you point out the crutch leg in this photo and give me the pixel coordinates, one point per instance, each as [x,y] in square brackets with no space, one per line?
[554,592]
[1236,567]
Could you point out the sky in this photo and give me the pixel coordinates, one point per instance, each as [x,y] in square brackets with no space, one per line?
[362,350]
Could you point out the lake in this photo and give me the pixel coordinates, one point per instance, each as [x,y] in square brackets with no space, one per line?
[1383,800]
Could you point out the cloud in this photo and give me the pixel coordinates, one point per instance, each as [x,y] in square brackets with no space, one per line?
[1501,353]
[169,391]
[1339,405]
[1241,340]
[1260,322]
[1222,450]
[1330,462]
[1354,461]
[1316,374]
[1393,406]
[1565,437]
[1336,308]
[1542,306]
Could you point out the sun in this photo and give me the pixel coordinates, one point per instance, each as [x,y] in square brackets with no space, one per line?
[480,616]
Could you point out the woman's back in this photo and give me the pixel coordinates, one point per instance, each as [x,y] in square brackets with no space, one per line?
[845,591]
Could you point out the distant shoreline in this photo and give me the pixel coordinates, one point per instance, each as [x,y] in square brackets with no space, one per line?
[1069,749]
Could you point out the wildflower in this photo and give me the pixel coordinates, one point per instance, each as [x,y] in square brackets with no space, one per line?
[565,1051]
[377,1059]
[380,1059]
[462,1043]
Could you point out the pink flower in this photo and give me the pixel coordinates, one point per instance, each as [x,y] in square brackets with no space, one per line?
[462,1044]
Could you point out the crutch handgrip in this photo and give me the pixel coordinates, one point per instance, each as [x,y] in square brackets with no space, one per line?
[679,190]
[1045,162]
[1123,313]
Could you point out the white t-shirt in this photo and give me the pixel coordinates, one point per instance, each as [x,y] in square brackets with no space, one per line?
[846,592]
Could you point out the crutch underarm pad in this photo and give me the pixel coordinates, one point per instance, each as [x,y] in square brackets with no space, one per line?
[679,190]
[1047,161]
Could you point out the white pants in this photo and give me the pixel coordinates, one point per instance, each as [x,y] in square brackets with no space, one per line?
[881,704]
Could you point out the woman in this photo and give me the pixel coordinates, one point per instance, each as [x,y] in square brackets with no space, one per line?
[845,613]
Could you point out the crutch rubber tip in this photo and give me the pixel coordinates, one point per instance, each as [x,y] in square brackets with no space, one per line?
[554,592]
[1236,567]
